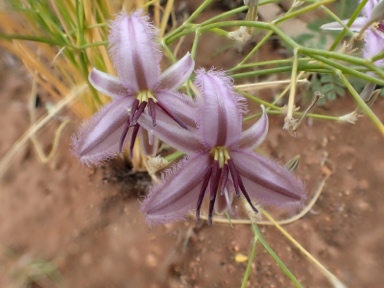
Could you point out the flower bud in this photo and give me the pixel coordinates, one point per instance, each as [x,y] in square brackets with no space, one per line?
[292,164]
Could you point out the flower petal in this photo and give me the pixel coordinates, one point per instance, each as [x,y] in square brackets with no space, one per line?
[135,52]
[374,44]
[355,27]
[220,109]
[170,132]
[177,74]
[98,139]
[178,194]
[255,135]
[182,106]
[267,182]
[107,84]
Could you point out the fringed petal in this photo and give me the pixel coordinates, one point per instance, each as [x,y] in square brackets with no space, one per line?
[220,109]
[177,74]
[267,182]
[177,194]
[355,27]
[107,84]
[135,52]
[171,133]
[98,139]
[255,135]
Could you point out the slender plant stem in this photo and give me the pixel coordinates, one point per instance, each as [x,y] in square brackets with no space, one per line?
[250,262]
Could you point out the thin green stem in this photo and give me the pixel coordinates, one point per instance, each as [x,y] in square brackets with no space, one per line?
[254,50]
[351,20]
[292,93]
[169,53]
[302,11]
[195,44]
[224,15]
[285,269]
[364,107]
[250,262]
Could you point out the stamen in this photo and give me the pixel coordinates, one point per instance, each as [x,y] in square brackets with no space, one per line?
[152,110]
[173,116]
[216,173]
[239,183]
[134,109]
[202,193]
[245,193]
[124,134]
[133,138]
[224,179]
[235,177]
[138,112]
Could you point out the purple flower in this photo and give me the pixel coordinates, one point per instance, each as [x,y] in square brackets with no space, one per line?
[372,25]
[139,88]
[219,156]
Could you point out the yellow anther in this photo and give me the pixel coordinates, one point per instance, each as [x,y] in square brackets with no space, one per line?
[144,95]
[221,155]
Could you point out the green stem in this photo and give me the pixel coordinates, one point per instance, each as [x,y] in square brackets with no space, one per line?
[301,11]
[250,262]
[367,110]
[254,50]
[286,271]
[351,20]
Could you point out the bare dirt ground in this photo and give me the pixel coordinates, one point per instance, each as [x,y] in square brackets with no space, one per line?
[64,225]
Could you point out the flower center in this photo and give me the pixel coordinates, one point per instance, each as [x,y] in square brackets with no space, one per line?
[221,155]
[143,99]
[144,96]
[217,176]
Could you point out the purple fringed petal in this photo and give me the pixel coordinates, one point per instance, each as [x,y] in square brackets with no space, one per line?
[98,139]
[177,74]
[171,133]
[355,27]
[107,84]
[374,44]
[178,193]
[181,105]
[220,109]
[134,51]
[255,135]
[267,182]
